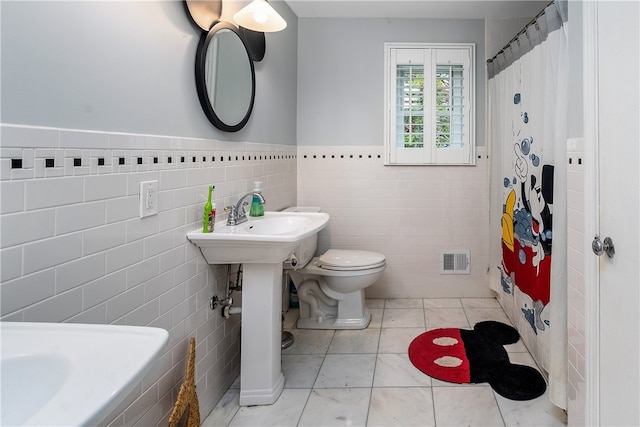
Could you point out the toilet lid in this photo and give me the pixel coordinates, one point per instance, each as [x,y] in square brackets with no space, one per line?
[341,259]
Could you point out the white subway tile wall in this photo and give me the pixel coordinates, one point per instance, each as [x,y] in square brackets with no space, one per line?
[73,248]
[409,213]
[576,393]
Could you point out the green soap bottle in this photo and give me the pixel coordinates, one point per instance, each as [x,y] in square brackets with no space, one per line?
[257,209]
[208,207]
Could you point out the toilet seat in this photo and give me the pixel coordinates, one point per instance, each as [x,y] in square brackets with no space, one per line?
[349,260]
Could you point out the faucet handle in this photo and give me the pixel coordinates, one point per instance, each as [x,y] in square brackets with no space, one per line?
[232,218]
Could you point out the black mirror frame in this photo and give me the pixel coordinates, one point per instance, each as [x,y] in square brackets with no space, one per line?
[201,86]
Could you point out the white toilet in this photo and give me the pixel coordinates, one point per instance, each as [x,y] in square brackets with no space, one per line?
[331,287]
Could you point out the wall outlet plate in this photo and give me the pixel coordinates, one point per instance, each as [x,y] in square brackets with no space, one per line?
[148,198]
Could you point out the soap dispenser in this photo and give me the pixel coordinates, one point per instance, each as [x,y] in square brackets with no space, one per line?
[256,205]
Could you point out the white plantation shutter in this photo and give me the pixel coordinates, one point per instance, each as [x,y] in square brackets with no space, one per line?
[428,104]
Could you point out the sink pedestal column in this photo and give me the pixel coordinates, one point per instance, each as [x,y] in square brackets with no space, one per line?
[261,379]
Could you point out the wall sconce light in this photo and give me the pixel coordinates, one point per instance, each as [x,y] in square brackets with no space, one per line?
[260,16]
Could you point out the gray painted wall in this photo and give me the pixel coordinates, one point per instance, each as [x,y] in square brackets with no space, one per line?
[129,67]
[340,74]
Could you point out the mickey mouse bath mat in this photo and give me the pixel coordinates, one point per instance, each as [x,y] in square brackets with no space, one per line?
[475,356]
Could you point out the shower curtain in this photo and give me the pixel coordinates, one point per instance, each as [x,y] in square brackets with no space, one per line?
[527,135]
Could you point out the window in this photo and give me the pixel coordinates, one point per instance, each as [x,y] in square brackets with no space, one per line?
[429,98]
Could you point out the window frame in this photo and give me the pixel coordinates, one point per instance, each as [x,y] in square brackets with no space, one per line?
[430,55]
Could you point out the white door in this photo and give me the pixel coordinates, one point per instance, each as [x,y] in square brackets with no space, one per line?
[618,168]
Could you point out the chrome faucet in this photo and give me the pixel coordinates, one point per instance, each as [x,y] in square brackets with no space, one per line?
[237,215]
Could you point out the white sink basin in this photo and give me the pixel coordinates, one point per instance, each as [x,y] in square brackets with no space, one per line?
[267,239]
[278,225]
[71,374]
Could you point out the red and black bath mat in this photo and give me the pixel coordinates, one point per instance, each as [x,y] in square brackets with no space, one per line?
[465,356]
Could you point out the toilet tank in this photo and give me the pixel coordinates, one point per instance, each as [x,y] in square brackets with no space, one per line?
[307,248]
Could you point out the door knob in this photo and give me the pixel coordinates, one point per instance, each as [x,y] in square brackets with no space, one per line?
[600,247]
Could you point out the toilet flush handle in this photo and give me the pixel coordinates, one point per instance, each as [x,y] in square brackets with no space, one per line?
[293,261]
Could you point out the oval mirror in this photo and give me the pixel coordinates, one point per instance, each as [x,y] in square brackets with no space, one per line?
[225,77]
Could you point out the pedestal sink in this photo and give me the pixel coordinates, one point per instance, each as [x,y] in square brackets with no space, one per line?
[261,244]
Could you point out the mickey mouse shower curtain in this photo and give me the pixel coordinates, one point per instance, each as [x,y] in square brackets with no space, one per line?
[527,135]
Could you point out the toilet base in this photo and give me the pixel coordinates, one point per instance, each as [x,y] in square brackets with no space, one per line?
[333,323]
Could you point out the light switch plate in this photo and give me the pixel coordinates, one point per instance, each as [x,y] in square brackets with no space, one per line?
[148,198]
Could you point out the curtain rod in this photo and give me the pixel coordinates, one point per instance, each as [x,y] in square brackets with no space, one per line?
[523,31]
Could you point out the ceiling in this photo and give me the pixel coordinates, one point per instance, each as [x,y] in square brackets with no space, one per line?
[437,9]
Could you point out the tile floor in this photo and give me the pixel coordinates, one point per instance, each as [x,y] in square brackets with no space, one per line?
[365,378]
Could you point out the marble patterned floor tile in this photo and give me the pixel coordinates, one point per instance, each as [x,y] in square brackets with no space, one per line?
[301,370]
[412,406]
[355,341]
[440,383]
[290,318]
[535,412]
[403,303]
[397,340]
[364,377]
[376,318]
[225,410]
[396,370]
[480,303]
[522,358]
[286,411]
[336,407]
[476,315]
[374,303]
[403,318]
[445,318]
[466,406]
[310,341]
[236,383]
[442,303]
[346,370]
[517,347]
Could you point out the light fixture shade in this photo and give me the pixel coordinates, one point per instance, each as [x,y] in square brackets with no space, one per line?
[260,16]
